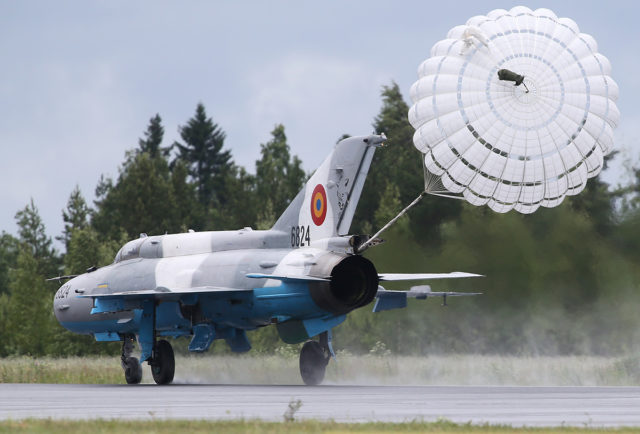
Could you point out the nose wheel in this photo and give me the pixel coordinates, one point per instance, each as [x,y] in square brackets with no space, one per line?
[131,365]
[163,363]
[132,370]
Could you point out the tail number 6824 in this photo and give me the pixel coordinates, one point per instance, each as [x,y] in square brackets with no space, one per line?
[300,236]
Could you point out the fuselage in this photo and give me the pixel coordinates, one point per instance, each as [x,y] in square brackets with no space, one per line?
[182,264]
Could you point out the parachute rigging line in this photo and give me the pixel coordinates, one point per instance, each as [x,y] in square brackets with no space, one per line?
[433,184]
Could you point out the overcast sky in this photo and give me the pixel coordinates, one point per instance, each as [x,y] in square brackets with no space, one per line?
[80,80]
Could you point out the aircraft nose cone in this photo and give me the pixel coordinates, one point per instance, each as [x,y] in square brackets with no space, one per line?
[61,300]
[67,296]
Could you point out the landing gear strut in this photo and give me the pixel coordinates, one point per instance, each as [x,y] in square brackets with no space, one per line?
[131,365]
[158,354]
[314,358]
[163,363]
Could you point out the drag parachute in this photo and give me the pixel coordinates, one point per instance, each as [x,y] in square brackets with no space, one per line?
[514,110]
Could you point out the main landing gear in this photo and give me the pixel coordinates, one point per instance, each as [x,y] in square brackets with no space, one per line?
[162,362]
[314,358]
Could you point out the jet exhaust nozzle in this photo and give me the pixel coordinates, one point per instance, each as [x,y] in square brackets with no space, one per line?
[353,284]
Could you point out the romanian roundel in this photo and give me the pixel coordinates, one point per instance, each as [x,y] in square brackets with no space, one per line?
[318,205]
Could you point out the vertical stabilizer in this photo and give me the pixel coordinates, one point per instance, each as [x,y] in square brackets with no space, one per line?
[326,204]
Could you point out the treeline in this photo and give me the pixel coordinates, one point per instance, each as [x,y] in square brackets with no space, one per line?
[560,281]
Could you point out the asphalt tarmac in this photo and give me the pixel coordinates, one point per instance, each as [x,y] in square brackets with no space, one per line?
[516,406]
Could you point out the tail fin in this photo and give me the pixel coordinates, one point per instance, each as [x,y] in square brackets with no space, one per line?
[326,204]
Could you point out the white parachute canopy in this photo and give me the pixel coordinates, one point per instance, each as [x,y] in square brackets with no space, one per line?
[525,140]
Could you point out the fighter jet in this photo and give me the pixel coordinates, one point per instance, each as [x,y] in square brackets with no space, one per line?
[304,275]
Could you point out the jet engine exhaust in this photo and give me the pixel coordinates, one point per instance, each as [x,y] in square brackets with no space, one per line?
[354,283]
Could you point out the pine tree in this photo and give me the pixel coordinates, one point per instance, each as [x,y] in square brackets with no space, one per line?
[153,136]
[33,236]
[105,218]
[75,216]
[32,231]
[209,165]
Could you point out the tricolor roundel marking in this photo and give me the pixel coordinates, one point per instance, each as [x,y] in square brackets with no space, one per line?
[318,205]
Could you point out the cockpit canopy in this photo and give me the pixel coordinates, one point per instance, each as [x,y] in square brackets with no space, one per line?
[130,250]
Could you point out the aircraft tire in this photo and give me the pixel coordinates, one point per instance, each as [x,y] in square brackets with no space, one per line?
[163,365]
[132,370]
[313,363]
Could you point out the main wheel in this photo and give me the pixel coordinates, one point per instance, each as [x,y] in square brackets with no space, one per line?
[313,363]
[132,370]
[163,365]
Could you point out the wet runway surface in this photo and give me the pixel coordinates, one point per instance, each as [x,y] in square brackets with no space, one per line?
[517,406]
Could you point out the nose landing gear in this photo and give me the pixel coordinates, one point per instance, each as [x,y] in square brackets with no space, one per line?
[131,365]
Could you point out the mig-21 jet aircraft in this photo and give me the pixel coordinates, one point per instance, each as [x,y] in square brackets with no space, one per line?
[304,276]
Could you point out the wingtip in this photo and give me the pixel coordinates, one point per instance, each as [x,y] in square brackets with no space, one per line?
[466,274]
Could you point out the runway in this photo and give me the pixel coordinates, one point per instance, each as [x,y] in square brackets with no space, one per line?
[516,406]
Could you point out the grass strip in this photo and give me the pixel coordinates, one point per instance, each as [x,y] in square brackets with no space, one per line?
[256,426]
[71,370]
